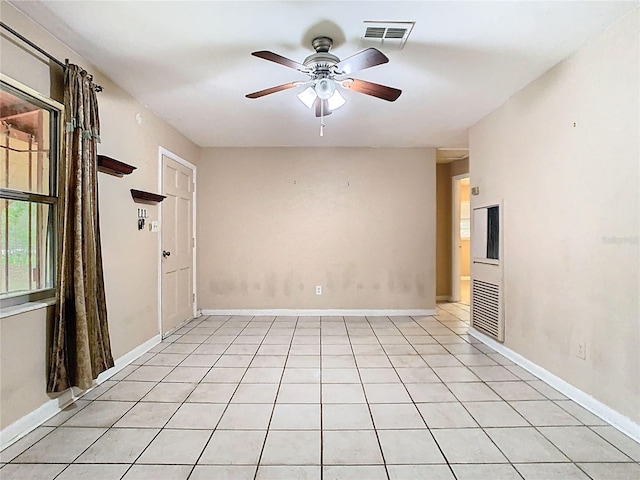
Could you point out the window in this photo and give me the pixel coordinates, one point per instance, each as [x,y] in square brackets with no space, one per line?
[29,141]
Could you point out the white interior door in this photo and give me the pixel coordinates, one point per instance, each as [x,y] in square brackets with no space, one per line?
[177,244]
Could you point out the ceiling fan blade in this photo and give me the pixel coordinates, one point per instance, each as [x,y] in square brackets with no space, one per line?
[365,59]
[268,91]
[274,57]
[317,104]
[375,90]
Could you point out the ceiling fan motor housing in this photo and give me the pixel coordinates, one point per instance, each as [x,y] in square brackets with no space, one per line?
[320,63]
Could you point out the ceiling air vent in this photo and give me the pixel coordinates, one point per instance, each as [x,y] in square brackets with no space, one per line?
[386,35]
[374,32]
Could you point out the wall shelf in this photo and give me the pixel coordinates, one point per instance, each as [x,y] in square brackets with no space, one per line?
[146,197]
[114,167]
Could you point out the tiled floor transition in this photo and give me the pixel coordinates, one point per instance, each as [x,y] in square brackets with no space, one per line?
[324,398]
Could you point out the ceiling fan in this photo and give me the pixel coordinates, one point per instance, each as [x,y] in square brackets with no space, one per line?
[325,72]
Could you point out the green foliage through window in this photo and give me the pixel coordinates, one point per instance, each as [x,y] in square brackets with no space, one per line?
[28,153]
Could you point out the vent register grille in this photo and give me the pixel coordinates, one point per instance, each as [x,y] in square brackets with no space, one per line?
[385,32]
[486,311]
[386,35]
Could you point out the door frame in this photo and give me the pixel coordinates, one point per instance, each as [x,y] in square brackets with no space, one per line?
[455,235]
[167,153]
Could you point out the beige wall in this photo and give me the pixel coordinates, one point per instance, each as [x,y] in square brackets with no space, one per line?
[130,256]
[459,167]
[275,222]
[23,341]
[443,230]
[571,140]
[444,219]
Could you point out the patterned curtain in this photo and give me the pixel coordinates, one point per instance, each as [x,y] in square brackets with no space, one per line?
[80,347]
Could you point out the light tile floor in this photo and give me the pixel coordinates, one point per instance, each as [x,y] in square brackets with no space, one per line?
[324,398]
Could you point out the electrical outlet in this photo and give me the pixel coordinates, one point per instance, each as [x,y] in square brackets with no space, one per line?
[318,289]
[582,350]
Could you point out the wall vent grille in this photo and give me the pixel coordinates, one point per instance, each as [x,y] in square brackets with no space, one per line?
[486,311]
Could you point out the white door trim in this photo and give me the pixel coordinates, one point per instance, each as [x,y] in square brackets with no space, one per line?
[455,235]
[164,152]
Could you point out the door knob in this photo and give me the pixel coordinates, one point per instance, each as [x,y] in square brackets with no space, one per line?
[166,254]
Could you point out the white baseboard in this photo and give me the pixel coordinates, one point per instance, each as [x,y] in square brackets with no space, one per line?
[315,313]
[31,421]
[44,412]
[606,413]
[180,325]
[126,359]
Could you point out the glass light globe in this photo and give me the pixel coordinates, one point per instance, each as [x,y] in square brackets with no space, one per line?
[325,87]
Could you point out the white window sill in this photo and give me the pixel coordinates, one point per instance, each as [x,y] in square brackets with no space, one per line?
[26,307]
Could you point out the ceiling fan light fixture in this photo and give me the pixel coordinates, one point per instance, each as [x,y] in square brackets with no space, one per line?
[308,96]
[325,88]
[336,101]
[320,90]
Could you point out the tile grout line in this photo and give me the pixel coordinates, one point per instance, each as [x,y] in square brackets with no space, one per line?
[107,428]
[321,408]
[181,403]
[160,429]
[398,327]
[200,382]
[409,394]
[469,413]
[590,427]
[582,424]
[228,403]
[275,400]
[375,429]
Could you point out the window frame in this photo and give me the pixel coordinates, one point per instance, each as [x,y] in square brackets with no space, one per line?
[55,151]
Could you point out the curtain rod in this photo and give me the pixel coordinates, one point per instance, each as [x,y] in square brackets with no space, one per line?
[39,49]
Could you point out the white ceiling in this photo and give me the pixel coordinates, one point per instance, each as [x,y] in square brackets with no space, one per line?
[190,62]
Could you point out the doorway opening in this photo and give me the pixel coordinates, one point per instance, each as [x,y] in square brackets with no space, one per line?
[461,239]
